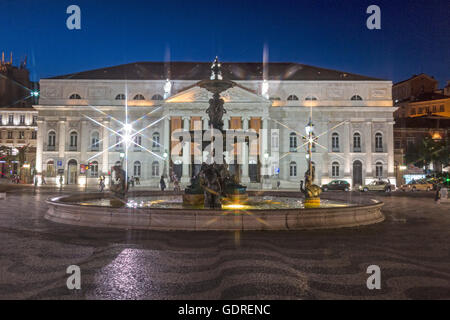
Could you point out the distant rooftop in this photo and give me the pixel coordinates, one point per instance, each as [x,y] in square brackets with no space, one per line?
[202,70]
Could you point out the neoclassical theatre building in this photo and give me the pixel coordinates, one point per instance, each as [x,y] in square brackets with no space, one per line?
[80,116]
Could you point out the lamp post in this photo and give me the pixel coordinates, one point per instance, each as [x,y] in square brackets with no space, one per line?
[310,190]
[309,129]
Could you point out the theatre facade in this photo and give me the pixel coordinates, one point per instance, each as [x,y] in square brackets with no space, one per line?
[82,120]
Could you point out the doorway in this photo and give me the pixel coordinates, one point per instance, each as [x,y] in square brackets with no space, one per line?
[72,172]
[357,173]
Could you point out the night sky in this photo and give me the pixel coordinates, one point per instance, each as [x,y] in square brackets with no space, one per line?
[414,35]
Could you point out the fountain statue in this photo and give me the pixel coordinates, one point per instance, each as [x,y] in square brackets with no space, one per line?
[118,187]
[214,182]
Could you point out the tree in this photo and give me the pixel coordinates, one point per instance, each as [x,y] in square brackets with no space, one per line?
[429,151]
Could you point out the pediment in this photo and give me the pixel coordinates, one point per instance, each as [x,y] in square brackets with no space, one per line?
[237,94]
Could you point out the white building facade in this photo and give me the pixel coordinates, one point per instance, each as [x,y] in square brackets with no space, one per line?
[81,120]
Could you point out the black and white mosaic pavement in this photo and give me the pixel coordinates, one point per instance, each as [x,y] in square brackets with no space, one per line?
[411,247]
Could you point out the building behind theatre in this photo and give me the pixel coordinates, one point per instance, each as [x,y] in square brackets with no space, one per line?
[352,115]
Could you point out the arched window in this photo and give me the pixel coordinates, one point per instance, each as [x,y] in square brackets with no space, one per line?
[120,96]
[335,142]
[139,97]
[137,169]
[157,97]
[155,169]
[73,139]
[378,142]
[356,98]
[95,141]
[335,169]
[379,169]
[292,97]
[93,168]
[75,96]
[356,142]
[310,98]
[155,141]
[50,169]
[51,138]
[293,142]
[293,169]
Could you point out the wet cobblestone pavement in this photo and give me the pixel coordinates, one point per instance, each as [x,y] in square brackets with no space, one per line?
[411,247]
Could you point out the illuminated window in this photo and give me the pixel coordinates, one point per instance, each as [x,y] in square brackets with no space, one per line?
[441,108]
[50,169]
[93,167]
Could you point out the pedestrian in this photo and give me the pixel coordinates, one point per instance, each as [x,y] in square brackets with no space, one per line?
[437,196]
[278,184]
[162,183]
[102,184]
[43,180]
[132,181]
[176,185]
[138,181]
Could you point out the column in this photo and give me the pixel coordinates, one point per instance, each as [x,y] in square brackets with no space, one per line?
[40,146]
[105,146]
[390,151]
[368,150]
[226,123]
[83,142]
[245,178]
[345,145]
[186,152]
[61,138]
[166,145]
[266,178]
[205,123]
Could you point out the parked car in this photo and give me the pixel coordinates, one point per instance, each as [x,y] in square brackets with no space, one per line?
[377,185]
[336,185]
[416,185]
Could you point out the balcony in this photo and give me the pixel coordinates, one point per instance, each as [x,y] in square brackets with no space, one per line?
[51,148]
[73,148]
[292,149]
[379,150]
[334,149]
[357,149]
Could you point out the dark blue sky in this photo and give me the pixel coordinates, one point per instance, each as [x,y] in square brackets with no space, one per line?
[415,35]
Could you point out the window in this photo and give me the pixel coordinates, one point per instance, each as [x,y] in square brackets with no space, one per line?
[155,142]
[356,142]
[34,120]
[93,167]
[139,97]
[378,142]
[137,142]
[33,135]
[310,98]
[120,96]
[397,144]
[420,111]
[434,108]
[155,169]
[356,98]
[22,119]
[157,97]
[50,169]
[75,96]
[11,119]
[441,108]
[293,169]
[335,169]
[95,141]
[275,140]
[137,169]
[379,170]
[292,97]
[21,135]
[51,139]
[73,140]
[118,143]
[10,135]
[427,109]
[335,142]
[413,111]
[293,142]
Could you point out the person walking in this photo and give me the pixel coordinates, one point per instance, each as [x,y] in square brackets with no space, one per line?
[162,183]
[102,184]
[43,180]
[437,196]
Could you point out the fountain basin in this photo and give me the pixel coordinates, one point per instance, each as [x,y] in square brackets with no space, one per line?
[84,210]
